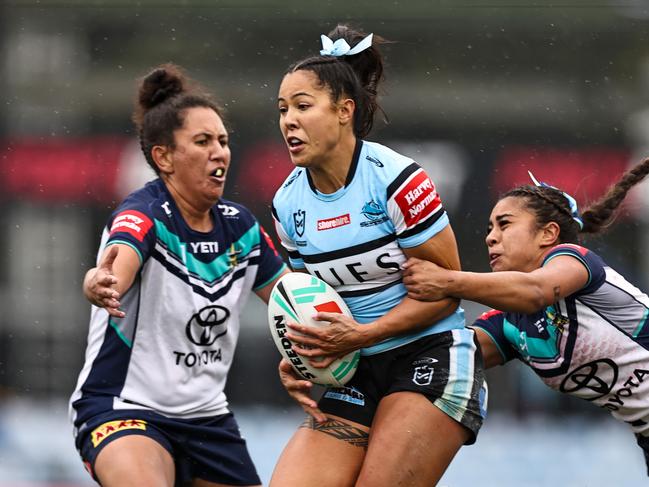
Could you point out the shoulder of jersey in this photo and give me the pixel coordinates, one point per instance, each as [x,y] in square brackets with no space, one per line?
[145,200]
[297,297]
[289,190]
[295,175]
[569,246]
[230,209]
[384,160]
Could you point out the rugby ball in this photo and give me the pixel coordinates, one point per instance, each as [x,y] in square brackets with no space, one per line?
[298,297]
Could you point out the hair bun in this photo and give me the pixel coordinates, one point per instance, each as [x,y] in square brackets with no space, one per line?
[162,83]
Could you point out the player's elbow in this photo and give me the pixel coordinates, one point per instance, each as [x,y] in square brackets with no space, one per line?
[534,299]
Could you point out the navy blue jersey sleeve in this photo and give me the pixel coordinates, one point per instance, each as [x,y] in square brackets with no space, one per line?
[133,224]
[591,261]
[271,264]
[493,324]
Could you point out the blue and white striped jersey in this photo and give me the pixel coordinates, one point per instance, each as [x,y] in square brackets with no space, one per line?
[353,238]
[172,351]
[593,344]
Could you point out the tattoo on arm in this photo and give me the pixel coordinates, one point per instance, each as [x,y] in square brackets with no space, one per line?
[339,430]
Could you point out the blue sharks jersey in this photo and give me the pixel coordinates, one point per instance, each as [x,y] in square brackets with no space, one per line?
[353,238]
[172,351]
[593,344]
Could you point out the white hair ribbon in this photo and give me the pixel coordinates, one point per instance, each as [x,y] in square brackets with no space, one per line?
[572,202]
[341,48]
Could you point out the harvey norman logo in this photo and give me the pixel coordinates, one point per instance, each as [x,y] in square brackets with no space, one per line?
[335,222]
[417,199]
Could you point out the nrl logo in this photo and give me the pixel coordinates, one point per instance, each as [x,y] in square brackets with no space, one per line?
[423,371]
[298,218]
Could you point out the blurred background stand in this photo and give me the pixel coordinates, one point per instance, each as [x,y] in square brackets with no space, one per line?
[476,92]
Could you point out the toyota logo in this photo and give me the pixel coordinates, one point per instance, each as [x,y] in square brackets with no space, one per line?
[207,325]
[589,377]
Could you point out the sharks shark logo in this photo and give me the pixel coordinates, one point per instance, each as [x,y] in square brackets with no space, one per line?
[299,218]
[374,213]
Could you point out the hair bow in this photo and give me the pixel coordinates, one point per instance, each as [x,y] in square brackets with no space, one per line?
[574,210]
[341,48]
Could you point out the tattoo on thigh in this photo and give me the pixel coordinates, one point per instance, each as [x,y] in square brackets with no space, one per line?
[339,430]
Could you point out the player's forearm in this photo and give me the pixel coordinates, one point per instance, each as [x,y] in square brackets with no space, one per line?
[409,316]
[505,291]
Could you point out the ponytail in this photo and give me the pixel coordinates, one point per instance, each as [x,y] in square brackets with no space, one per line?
[356,76]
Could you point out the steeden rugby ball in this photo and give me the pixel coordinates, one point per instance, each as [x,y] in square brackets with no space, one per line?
[298,297]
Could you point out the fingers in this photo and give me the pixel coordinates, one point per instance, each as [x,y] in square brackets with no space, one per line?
[290,380]
[103,290]
[315,413]
[115,312]
[100,287]
[324,316]
[284,367]
[105,279]
[304,332]
[310,352]
[299,390]
[410,262]
[322,362]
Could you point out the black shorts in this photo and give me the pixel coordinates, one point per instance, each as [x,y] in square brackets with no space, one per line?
[446,368]
[207,448]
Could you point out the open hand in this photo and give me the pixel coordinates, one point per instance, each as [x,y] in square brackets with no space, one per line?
[299,390]
[323,345]
[100,282]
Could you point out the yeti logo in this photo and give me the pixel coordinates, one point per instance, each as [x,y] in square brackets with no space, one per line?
[207,325]
[298,218]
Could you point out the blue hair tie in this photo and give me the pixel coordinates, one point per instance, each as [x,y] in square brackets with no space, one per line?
[341,48]
[574,210]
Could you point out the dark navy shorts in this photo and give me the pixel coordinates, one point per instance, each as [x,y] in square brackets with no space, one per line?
[211,448]
[445,367]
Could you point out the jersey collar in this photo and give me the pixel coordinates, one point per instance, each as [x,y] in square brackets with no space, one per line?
[350,173]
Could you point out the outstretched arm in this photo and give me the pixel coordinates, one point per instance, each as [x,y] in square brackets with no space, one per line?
[523,292]
[104,285]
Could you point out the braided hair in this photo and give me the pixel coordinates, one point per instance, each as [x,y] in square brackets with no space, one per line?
[162,99]
[356,77]
[550,205]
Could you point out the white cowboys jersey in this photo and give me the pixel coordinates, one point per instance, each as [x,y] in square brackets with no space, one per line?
[593,344]
[172,351]
[353,238]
